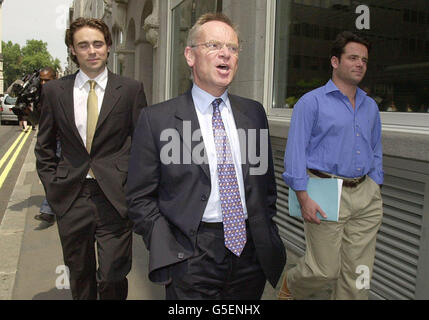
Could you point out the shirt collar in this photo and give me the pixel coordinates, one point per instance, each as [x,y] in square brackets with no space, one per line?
[82,79]
[203,99]
[331,87]
[360,94]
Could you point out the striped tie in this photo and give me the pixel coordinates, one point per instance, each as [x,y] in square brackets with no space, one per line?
[234,225]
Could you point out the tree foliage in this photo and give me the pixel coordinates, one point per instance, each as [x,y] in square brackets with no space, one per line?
[11,62]
[18,61]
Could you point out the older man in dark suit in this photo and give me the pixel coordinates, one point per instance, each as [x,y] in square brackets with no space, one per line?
[204,209]
[93,112]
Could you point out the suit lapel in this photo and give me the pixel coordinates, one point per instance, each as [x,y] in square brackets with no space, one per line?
[66,100]
[242,122]
[187,123]
[111,97]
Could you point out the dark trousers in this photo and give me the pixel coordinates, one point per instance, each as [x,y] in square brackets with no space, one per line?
[93,219]
[215,273]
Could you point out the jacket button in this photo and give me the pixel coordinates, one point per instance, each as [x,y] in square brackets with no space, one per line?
[192,232]
[204,197]
[180,255]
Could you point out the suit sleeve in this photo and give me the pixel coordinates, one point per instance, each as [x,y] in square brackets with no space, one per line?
[46,145]
[270,176]
[142,194]
[272,186]
[139,103]
[143,180]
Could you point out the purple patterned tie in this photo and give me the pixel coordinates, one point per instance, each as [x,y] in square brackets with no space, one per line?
[234,226]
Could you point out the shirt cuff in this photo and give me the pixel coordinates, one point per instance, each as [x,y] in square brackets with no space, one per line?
[297,184]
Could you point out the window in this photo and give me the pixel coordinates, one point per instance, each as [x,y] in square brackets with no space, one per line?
[398,71]
[183,16]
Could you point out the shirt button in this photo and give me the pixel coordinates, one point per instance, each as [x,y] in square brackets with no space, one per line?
[358,152]
[357,135]
[358,169]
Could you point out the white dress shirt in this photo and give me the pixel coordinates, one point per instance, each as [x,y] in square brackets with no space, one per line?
[80,97]
[203,107]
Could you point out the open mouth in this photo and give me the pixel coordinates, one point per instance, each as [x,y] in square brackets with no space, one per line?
[223,67]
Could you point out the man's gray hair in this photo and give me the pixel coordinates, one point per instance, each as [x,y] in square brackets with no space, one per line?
[218,16]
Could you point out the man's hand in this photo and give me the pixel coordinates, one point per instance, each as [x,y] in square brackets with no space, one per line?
[309,208]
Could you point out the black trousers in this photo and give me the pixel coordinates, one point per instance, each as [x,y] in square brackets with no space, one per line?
[215,273]
[93,219]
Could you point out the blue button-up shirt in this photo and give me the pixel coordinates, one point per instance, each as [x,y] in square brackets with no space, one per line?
[328,135]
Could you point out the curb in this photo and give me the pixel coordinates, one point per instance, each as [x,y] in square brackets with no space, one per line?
[13,225]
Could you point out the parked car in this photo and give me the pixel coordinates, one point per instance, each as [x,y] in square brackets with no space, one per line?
[6,113]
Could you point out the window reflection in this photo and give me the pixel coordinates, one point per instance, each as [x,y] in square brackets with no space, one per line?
[184,17]
[398,69]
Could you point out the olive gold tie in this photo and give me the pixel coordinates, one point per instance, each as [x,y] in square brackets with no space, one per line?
[92,117]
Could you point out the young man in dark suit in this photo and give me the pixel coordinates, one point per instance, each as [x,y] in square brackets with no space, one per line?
[93,112]
[204,209]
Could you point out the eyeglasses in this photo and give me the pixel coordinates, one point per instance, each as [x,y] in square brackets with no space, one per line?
[215,46]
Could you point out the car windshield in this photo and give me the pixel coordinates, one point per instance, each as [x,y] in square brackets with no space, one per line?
[9,100]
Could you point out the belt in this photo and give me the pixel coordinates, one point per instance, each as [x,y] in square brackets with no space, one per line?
[216,225]
[347,182]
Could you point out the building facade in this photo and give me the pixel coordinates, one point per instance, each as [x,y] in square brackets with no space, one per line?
[285,53]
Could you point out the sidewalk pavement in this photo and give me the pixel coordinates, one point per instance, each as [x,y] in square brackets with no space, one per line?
[31,263]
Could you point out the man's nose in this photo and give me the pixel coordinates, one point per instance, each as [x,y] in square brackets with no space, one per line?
[91,49]
[224,51]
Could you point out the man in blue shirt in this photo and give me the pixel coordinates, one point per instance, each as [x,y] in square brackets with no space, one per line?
[336,132]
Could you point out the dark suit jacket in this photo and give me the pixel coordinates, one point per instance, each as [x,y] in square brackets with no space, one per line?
[63,178]
[167,201]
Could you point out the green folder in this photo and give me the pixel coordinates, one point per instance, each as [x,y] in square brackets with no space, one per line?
[326,193]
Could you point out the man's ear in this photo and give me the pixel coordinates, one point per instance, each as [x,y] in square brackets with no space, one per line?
[72,50]
[334,62]
[189,56]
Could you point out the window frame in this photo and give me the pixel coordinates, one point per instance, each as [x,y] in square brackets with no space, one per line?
[171,5]
[415,122]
